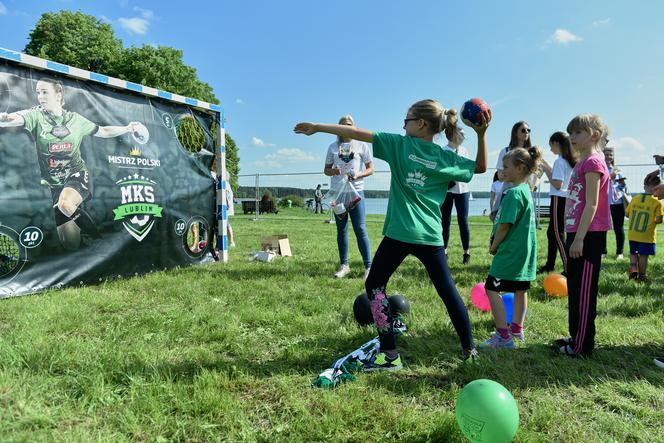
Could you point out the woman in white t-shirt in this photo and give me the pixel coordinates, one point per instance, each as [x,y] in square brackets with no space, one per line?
[519,138]
[458,195]
[559,176]
[351,158]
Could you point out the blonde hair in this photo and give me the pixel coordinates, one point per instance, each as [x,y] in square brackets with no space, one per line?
[529,157]
[589,123]
[432,112]
[345,119]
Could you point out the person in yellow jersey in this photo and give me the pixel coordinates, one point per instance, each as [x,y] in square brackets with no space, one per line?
[645,212]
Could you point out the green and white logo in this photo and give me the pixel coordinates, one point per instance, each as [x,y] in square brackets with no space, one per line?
[138,209]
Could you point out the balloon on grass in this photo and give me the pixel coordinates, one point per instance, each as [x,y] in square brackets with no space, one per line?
[487,412]
[479,298]
[555,285]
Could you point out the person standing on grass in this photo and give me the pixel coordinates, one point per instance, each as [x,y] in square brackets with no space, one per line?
[519,138]
[458,195]
[421,173]
[616,201]
[318,197]
[559,176]
[587,219]
[645,213]
[352,159]
[514,248]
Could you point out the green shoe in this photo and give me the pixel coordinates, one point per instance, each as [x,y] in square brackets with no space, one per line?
[384,363]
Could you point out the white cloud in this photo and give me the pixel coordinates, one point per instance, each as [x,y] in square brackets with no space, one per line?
[602,22]
[563,37]
[626,145]
[3,9]
[134,25]
[145,13]
[260,143]
[239,101]
[291,155]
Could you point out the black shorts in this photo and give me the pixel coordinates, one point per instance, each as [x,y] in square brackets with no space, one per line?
[502,285]
[80,182]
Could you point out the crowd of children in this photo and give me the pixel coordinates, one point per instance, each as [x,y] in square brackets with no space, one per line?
[421,173]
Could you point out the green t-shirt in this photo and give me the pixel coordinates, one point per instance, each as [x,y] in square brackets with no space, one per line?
[58,140]
[516,258]
[421,171]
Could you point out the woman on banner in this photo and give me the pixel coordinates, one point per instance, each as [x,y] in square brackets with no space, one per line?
[58,134]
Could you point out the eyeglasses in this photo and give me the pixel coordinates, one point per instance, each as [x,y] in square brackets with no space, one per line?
[525,130]
[406,120]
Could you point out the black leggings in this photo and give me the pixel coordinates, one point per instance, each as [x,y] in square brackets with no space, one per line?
[387,259]
[556,233]
[618,218]
[583,286]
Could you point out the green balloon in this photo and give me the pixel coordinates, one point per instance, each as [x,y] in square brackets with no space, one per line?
[487,412]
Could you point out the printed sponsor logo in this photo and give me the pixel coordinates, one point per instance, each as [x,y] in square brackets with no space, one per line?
[134,160]
[426,163]
[138,211]
[416,178]
[59,147]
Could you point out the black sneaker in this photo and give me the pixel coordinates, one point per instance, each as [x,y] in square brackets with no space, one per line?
[564,342]
[466,259]
[634,275]
[643,278]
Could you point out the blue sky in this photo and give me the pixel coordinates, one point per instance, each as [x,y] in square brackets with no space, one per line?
[273,64]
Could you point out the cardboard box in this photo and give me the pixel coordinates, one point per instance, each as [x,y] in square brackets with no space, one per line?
[278,243]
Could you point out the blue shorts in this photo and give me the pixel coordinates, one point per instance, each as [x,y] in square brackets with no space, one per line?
[636,247]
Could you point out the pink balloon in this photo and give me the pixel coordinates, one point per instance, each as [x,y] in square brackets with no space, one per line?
[479,298]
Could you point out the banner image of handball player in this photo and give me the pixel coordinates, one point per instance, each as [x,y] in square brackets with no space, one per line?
[58,134]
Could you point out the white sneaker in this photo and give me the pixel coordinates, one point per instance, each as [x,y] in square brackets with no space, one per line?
[620,257]
[366,273]
[343,271]
[232,244]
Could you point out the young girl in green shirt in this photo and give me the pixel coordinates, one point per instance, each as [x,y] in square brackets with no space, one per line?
[421,172]
[514,247]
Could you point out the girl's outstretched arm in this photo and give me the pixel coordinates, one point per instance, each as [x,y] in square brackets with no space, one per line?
[11,120]
[343,131]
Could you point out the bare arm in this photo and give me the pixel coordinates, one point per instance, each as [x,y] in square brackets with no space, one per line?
[592,198]
[116,131]
[501,233]
[330,171]
[11,120]
[343,131]
[482,151]
[368,170]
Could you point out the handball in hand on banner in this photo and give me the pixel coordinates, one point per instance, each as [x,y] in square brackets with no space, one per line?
[139,132]
[344,197]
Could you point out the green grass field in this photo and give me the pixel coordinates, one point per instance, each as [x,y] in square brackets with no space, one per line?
[228,352]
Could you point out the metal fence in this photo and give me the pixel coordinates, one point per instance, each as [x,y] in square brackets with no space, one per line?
[376,188]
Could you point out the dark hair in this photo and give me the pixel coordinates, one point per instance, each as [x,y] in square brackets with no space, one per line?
[513,139]
[651,180]
[495,177]
[565,146]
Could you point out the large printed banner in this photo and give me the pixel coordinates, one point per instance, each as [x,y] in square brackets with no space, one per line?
[95,183]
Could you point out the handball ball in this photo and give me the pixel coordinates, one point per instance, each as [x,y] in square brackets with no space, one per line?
[487,412]
[140,134]
[471,111]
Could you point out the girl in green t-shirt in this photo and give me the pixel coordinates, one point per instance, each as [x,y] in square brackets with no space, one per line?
[514,246]
[421,172]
